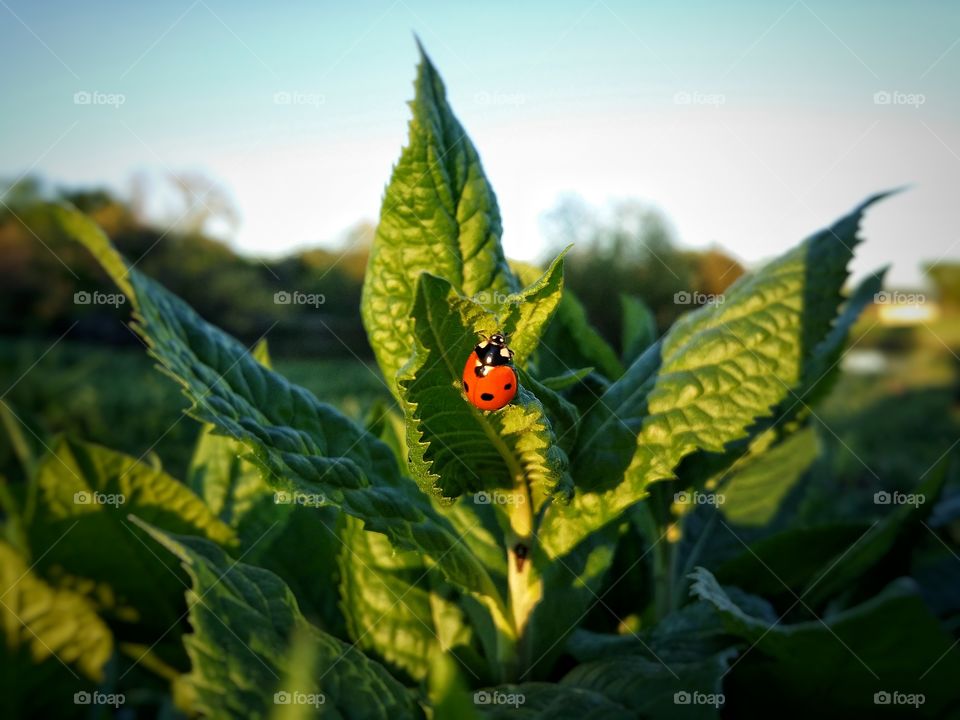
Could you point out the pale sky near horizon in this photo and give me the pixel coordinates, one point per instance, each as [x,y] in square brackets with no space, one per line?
[749,124]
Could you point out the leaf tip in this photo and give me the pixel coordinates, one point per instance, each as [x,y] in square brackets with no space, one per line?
[420,48]
[426,64]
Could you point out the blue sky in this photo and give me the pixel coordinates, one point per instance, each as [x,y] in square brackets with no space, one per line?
[749,124]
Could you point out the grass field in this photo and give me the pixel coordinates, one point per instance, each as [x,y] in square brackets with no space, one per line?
[119,398]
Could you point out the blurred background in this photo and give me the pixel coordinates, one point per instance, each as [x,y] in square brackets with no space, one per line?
[234,151]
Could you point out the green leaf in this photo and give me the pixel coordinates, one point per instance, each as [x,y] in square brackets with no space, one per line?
[449,696]
[236,489]
[639,327]
[563,415]
[824,561]
[525,315]
[874,548]
[722,368]
[570,341]
[245,625]
[823,363]
[229,484]
[301,526]
[566,380]
[80,529]
[759,482]
[304,445]
[889,643]
[231,487]
[608,433]
[454,447]
[688,635]
[605,441]
[439,215]
[570,585]
[785,563]
[304,665]
[385,598]
[21,448]
[820,369]
[49,636]
[654,688]
[383,421]
[478,527]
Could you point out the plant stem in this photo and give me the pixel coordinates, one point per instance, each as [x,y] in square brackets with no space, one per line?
[663,561]
[519,538]
[507,666]
[525,588]
[655,520]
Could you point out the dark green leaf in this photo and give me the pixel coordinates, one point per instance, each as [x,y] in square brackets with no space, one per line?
[891,643]
[656,689]
[639,327]
[246,625]
[570,341]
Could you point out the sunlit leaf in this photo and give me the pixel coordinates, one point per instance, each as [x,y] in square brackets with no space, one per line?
[439,215]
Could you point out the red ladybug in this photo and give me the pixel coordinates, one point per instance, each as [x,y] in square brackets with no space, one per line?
[489,379]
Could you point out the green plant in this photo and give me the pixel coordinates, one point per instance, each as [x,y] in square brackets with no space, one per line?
[541,555]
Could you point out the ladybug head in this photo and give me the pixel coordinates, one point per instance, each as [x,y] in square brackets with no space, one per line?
[497,339]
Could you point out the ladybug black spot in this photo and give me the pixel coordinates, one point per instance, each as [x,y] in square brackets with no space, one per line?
[466,387]
[486,396]
[508,386]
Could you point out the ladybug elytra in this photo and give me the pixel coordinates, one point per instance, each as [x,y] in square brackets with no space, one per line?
[489,379]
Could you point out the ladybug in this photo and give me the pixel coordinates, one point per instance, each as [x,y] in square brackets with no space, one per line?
[489,379]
